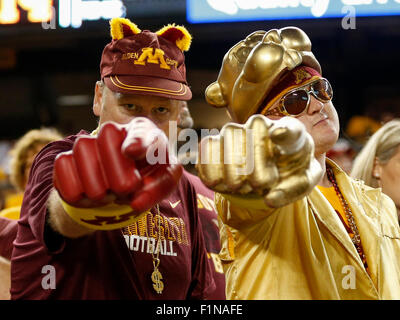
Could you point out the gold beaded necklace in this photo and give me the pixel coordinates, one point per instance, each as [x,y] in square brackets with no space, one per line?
[349,215]
[156,276]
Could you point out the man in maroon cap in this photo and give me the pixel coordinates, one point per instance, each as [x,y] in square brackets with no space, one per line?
[100,219]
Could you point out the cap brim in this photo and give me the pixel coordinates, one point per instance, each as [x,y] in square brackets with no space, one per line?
[149,86]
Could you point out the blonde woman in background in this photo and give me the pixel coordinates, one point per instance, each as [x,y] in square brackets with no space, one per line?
[22,155]
[378,163]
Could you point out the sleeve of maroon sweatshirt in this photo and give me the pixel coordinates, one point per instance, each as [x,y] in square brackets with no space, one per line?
[8,232]
[40,184]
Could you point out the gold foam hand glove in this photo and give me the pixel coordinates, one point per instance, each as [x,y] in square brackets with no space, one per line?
[273,159]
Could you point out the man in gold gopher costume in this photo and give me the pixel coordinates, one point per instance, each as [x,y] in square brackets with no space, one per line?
[293,224]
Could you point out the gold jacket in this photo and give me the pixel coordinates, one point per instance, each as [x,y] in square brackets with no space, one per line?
[303,251]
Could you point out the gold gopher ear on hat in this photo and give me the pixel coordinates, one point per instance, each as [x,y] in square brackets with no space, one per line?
[121,28]
[177,34]
[145,62]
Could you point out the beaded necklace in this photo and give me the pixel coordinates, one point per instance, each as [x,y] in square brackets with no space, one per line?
[349,214]
[156,276]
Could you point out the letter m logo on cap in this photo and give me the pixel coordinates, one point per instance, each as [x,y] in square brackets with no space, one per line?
[157,57]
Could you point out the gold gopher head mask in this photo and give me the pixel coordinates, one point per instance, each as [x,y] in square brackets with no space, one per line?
[252,67]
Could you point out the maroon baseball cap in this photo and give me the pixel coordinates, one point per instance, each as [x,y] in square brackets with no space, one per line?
[144,62]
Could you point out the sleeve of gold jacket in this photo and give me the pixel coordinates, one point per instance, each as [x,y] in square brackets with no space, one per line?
[269,159]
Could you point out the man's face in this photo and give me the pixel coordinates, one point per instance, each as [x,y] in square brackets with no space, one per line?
[321,122]
[122,108]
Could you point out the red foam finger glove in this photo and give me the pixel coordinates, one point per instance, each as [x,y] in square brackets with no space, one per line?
[116,162]
[160,174]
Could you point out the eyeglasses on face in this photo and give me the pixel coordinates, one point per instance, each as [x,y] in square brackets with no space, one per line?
[296,102]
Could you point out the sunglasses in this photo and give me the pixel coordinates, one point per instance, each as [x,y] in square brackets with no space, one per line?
[295,102]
